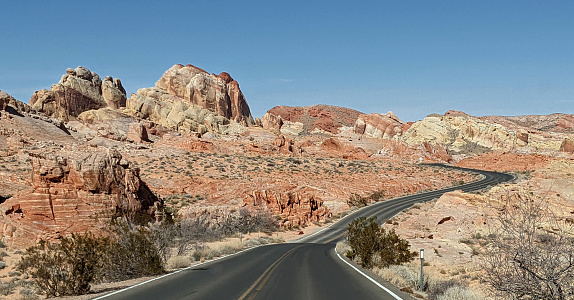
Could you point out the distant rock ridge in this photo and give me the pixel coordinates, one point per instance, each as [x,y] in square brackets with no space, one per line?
[77,91]
[297,120]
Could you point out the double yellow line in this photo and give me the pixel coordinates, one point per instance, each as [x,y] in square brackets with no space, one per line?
[256,287]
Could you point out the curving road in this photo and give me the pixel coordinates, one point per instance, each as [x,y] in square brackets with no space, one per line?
[306,269]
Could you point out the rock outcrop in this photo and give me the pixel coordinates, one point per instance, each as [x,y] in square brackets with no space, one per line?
[188,99]
[298,120]
[294,208]
[567,146]
[8,102]
[70,194]
[217,93]
[379,125]
[77,91]
[466,136]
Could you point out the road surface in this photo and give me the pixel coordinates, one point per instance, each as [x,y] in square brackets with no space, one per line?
[306,269]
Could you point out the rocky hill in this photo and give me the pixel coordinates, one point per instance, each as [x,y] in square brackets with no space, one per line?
[188,99]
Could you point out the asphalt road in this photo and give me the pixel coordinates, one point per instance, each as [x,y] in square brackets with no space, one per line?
[306,269]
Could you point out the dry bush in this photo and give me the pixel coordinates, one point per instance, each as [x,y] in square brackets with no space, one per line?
[178,262]
[67,267]
[408,276]
[530,251]
[132,253]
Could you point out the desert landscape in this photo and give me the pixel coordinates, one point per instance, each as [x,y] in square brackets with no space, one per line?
[83,152]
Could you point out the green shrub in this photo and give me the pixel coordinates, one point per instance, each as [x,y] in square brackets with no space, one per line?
[357,200]
[64,268]
[367,239]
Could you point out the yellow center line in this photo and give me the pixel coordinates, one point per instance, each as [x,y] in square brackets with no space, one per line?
[265,276]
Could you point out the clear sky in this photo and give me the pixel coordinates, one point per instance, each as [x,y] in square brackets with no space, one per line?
[410,57]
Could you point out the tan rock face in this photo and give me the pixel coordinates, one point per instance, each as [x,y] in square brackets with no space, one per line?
[217,93]
[378,125]
[466,136]
[4,100]
[70,194]
[7,101]
[79,90]
[188,99]
[324,118]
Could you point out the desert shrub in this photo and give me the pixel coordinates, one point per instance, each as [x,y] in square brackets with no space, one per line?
[178,262]
[132,253]
[357,200]
[458,292]
[252,243]
[67,267]
[530,251]
[7,288]
[367,239]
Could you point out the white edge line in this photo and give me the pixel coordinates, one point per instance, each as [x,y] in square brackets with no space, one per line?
[368,277]
[175,272]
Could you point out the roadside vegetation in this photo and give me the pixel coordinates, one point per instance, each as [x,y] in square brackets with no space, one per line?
[530,251]
[130,250]
[389,256]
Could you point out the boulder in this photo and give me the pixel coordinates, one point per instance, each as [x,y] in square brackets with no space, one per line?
[77,91]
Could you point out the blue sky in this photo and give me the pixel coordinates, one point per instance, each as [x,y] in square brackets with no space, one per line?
[410,57]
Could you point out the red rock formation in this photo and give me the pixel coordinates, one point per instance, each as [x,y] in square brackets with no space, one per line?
[567,146]
[217,93]
[286,146]
[324,117]
[294,208]
[378,125]
[79,90]
[70,194]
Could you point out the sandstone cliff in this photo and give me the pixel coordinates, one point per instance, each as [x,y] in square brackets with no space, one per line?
[69,194]
[77,91]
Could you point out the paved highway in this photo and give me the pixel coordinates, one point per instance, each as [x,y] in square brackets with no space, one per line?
[306,269]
